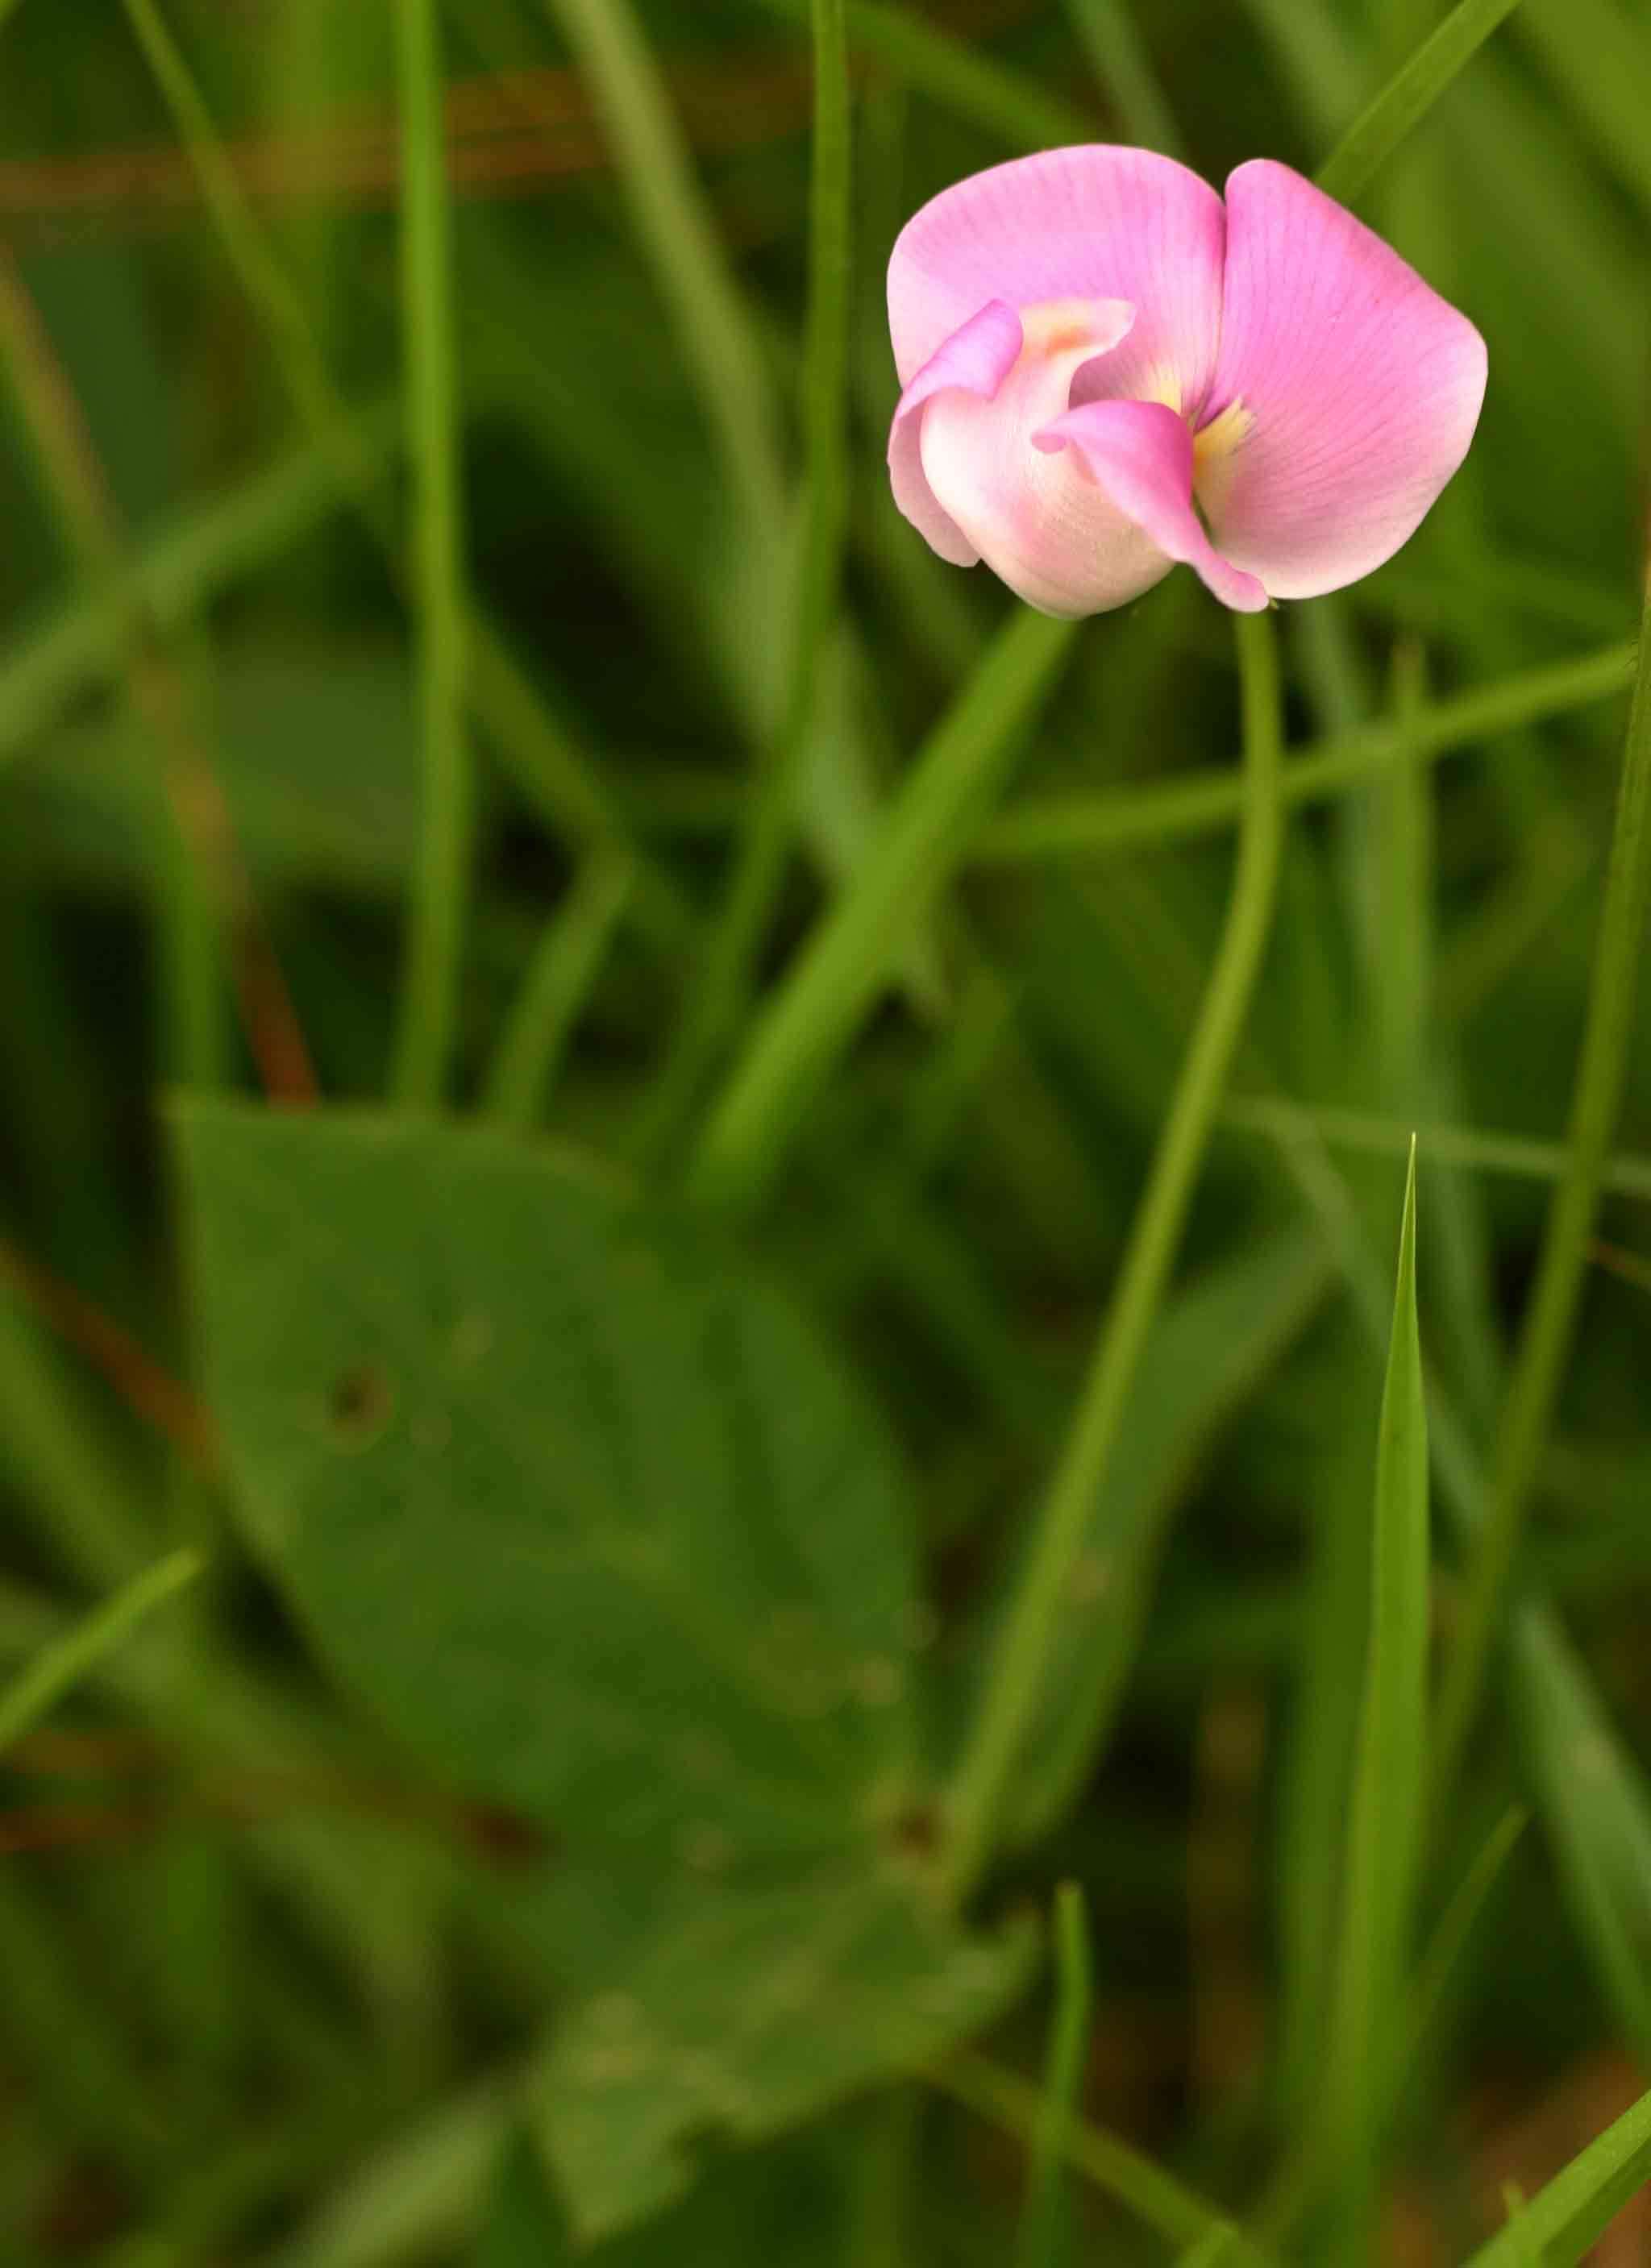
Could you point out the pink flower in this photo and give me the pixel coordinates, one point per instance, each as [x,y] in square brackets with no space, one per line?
[1097,350]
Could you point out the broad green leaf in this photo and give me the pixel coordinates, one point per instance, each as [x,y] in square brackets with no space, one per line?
[1213,1344]
[1389,1790]
[591,1519]
[524,2226]
[751,2010]
[1559,2224]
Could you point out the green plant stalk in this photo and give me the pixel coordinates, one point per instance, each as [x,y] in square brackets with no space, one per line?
[1546,1334]
[1407,98]
[555,987]
[673,219]
[62,1664]
[1039,2244]
[715,1006]
[431,979]
[840,968]
[1204,802]
[1010,1687]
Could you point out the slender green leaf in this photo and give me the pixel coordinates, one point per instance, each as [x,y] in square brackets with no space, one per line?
[1042,2216]
[1562,2220]
[1387,1799]
[1549,1323]
[1205,802]
[61,1665]
[674,222]
[1025,116]
[851,954]
[1371,140]
[1211,1347]
[553,992]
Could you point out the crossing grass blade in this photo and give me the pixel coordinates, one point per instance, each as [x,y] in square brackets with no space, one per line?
[1041,2221]
[1388,1796]
[1407,98]
[1561,2221]
[61,1665]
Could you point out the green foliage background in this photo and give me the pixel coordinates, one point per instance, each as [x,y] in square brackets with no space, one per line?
[643,1589]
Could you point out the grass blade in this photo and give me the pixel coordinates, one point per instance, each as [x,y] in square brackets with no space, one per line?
[1009,1700]
[714,1009]
[430,998]
[1204,802]
[1474,1146]
[1407,98]
[67,1660]
[849,957]
[674,221]
[555,989]
[1024,114]
[1042,2216]
[1111,2163]
[1387,1793]
[1557,2228]
[1546,1334]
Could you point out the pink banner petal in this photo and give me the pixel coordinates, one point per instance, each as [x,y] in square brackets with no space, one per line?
[1140,454]
[1092,223]
[1354,390]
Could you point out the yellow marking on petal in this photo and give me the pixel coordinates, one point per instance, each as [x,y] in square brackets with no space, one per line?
[1162,386]
[1219,437]
[1213,451]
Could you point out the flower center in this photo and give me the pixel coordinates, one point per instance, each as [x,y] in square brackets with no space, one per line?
[1214,448]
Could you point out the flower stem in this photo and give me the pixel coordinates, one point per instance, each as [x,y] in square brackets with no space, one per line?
[1545,1336]
[1011,1691]
[430,998]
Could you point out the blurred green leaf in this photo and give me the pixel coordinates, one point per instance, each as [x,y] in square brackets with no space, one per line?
[588,1514]
[685,1542]
[749,2011]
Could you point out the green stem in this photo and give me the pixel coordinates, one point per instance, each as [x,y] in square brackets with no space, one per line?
[715,1006]
[673,220]
[840,969]
[1204,802]
[1011,1686]
[67,1660]
[1544,1342]
[1041,2244]
[557,986]
[429,1000]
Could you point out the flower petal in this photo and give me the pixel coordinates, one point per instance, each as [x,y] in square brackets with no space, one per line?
[1141,454]
[979,358]
[1352,388]
[1095,222]
[1039,522]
